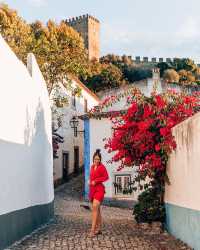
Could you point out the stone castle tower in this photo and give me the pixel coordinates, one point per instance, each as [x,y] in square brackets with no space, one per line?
[89,29]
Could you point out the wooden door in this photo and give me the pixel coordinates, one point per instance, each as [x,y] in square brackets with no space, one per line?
[65,166]
[76,160]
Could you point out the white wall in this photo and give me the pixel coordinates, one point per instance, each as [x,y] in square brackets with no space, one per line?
[182,199]
[25,135]
[146,87]
[184,167]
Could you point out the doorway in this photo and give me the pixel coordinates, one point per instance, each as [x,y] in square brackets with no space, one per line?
[76,160]
[65,164]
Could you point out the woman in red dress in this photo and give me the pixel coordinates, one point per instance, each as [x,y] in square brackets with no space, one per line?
[98,174]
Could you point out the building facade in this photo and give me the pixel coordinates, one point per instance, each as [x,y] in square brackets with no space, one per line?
[118,187]
[70,153]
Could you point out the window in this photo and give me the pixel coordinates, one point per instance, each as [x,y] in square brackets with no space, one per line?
[85,106]
[122,184]
[119,184]
[74,101]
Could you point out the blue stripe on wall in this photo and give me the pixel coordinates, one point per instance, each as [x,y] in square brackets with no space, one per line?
[184,224]
[86,155]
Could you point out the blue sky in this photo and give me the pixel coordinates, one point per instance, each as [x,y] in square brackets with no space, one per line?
[134,27]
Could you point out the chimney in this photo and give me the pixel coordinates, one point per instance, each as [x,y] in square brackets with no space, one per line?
[155,73]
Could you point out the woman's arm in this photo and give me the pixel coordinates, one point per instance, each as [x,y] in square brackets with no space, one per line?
[103,175]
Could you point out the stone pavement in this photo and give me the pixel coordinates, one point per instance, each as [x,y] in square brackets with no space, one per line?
[69,229]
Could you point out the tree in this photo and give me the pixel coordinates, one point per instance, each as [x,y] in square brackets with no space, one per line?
[133,74]
[185,63]
[118,61]
[109,77]
[94,68]
[170,75]
[143,140]
[197,73]
[130,71]
[59,50]
[190,77]
[186,77]
[163,66]
[15,31]
[186,68]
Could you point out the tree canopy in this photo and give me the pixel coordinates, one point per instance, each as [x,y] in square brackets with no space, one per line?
[59,49]
[15,31]
[109,76]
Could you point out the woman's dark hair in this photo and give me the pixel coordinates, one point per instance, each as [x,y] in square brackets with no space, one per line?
[97,153]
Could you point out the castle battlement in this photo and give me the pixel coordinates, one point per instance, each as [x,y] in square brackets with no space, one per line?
[82,18]
[145,59]
[88,27]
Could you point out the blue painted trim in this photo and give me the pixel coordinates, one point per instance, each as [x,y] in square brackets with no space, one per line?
[86,155]
[184,224]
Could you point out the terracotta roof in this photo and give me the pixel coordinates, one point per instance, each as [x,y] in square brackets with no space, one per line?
[82,86]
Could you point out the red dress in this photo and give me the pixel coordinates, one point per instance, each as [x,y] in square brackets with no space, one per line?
[99,176]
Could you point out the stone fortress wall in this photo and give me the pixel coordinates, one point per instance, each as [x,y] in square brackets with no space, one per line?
[145,59]
[89,28]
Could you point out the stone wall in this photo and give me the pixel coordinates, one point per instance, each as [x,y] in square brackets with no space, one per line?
[89,28]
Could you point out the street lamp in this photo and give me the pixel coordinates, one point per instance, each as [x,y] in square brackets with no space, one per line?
[74,124]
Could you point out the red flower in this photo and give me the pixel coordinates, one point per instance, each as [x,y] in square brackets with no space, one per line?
[160,102]
[164,131]
[143,125]
[157,147]
[146,129]
[147,111]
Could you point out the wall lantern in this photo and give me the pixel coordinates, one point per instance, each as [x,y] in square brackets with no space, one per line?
[74,124]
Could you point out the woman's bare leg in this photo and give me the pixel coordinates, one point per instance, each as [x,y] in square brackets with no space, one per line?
[95,209]
[99,221]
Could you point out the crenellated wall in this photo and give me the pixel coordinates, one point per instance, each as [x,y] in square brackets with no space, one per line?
[89,28]
[81,18]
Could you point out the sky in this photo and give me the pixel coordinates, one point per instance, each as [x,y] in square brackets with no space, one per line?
[153,28]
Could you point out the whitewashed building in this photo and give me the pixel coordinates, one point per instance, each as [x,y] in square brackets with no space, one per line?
[26,162]
[118,186]
[146,86]
[95,131]
[70,153]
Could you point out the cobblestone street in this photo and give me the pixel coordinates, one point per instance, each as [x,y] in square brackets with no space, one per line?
[69,229]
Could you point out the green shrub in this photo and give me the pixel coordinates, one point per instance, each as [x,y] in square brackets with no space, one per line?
[149,207]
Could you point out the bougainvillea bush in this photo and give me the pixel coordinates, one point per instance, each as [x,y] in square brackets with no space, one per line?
[143,139]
